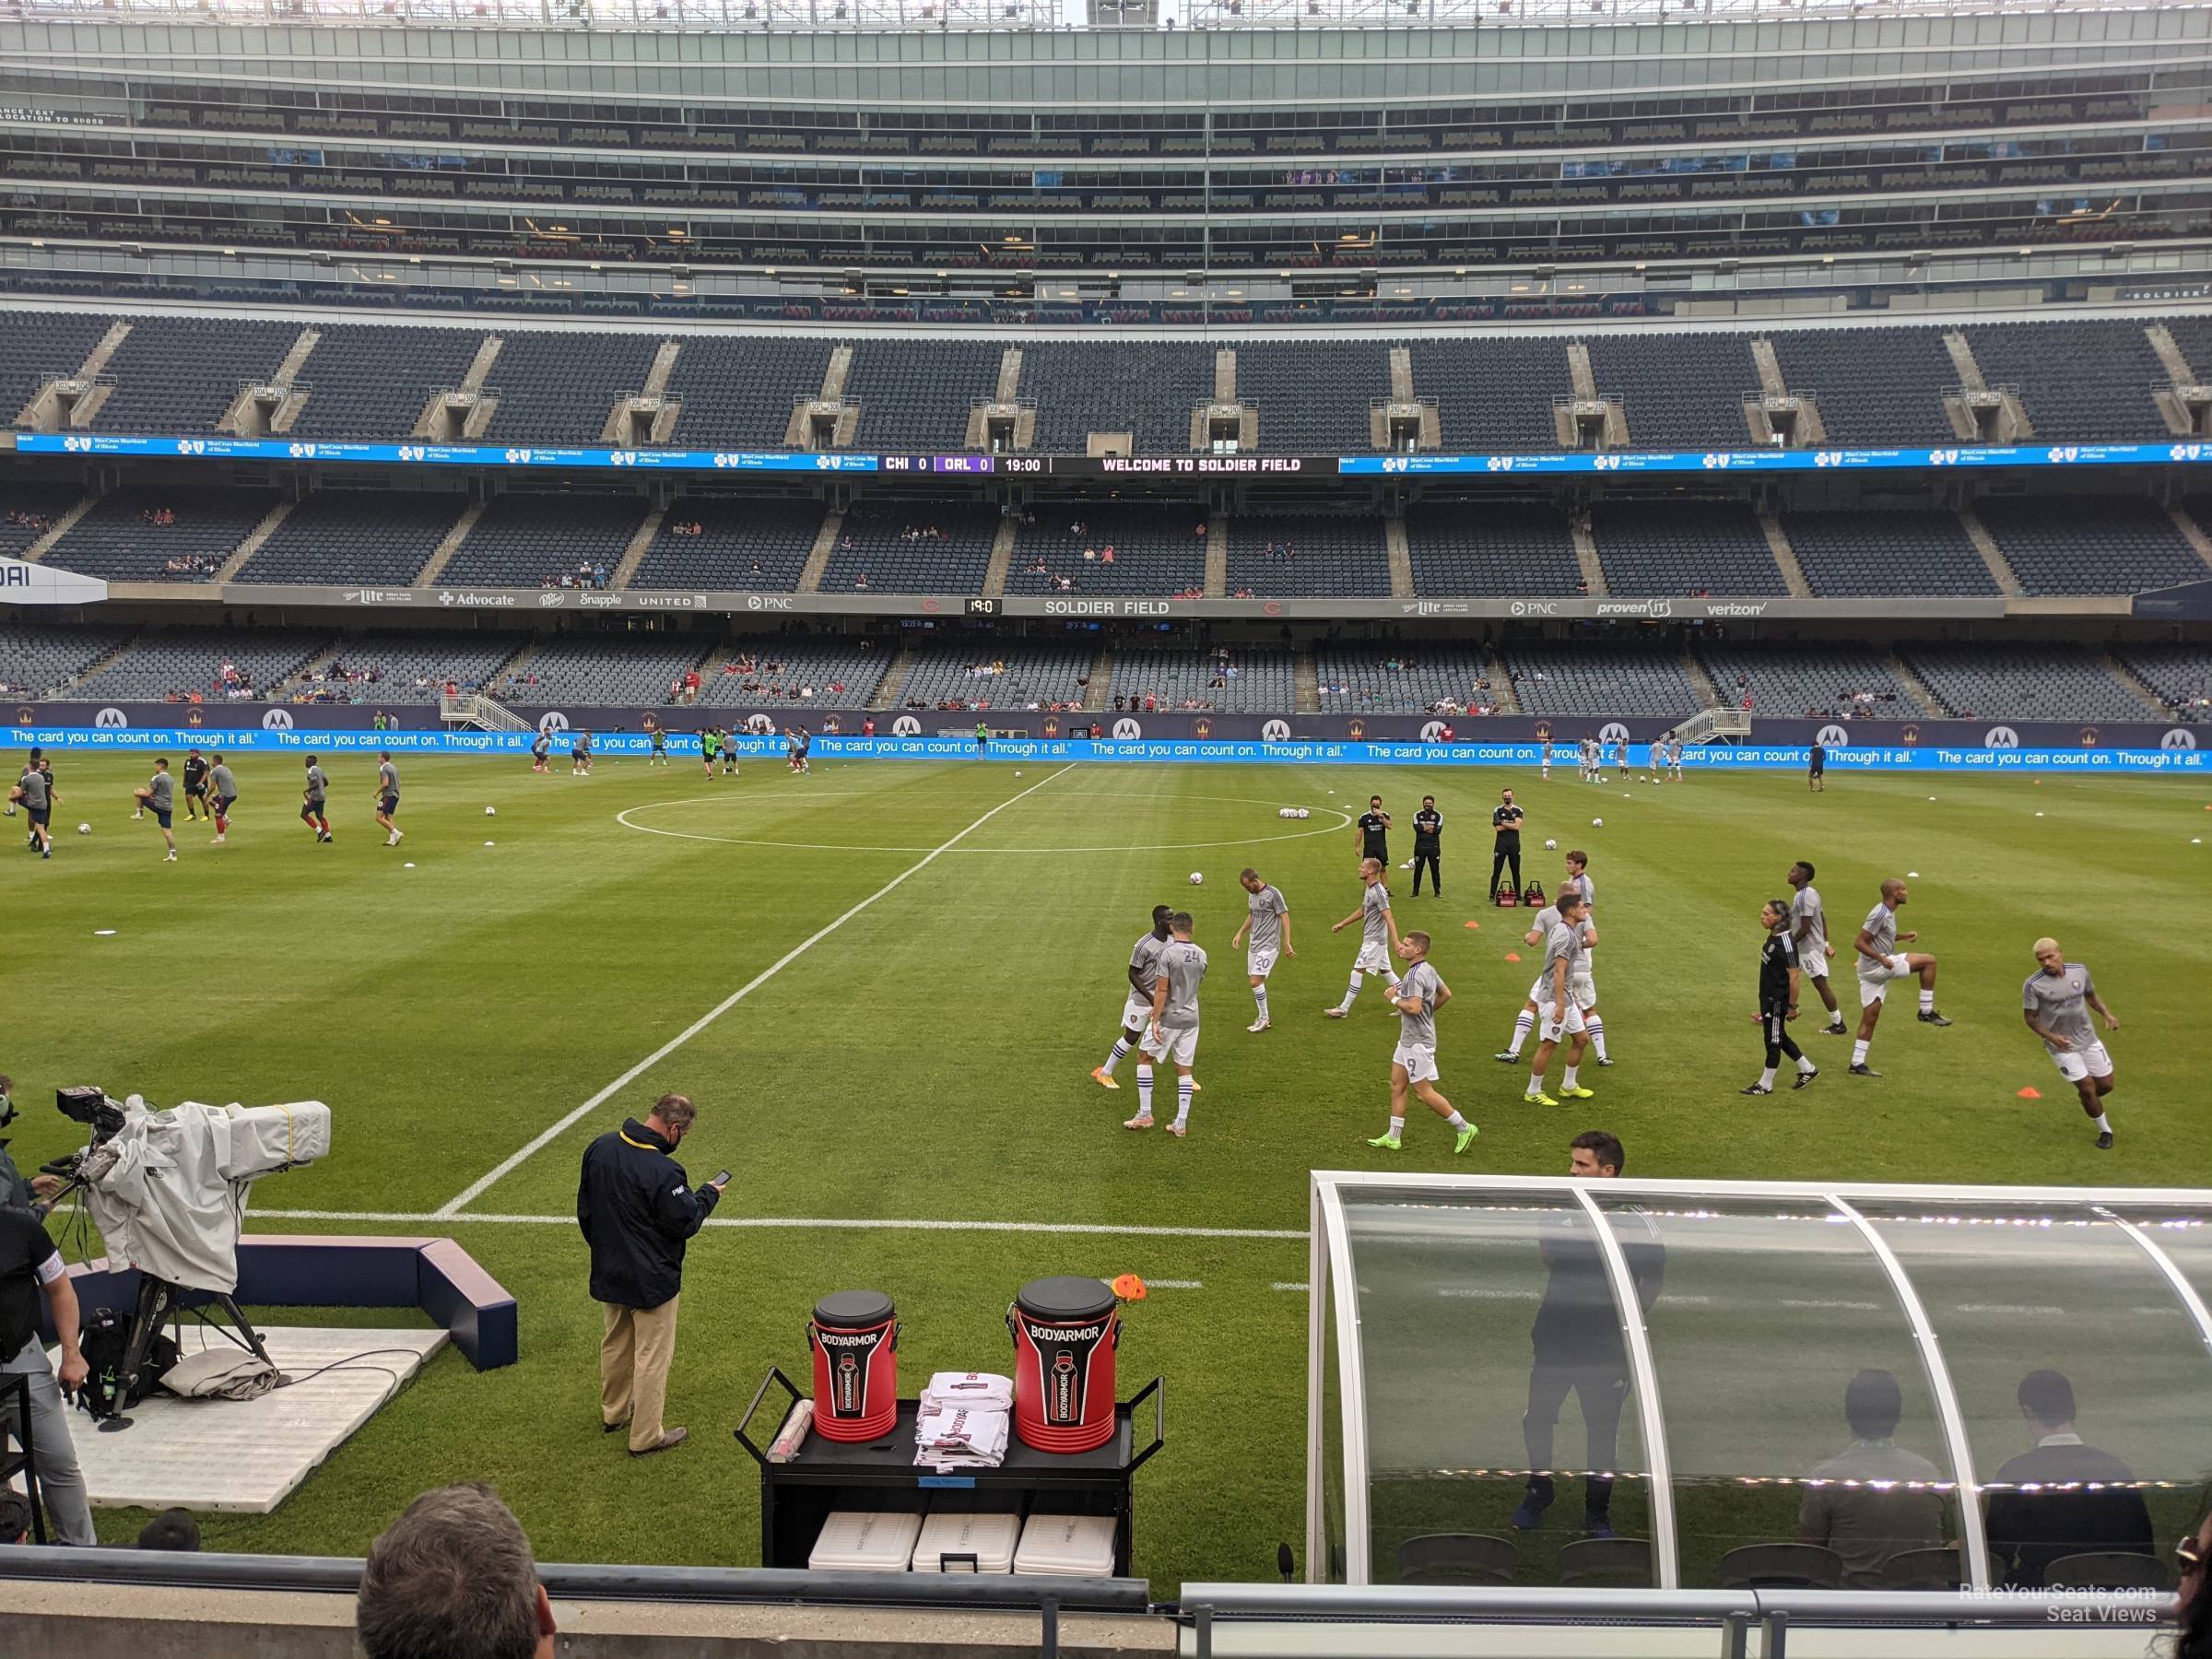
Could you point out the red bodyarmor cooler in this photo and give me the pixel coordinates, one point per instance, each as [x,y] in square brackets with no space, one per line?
[855,1335]
[1066,1331]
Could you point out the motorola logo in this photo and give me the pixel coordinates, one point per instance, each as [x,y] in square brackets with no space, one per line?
[111,719]
[1831,736]
[906,725]
[1275,731]
[1126,730]
[276,720]
[2001,737]
[2178,737]
[1613,732]
[552,720]
[759,725]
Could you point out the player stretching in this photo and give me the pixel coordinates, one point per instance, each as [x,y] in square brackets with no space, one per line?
[2053,1003]
[195,785]
[1809,935]
[1879,963]
[1172,1036]
[1268,918]
[387,798]
[222,788]
[797,742]
[1378,934]
[314,800]
[540,747]
[1555,1008]
[158,795]
[1415,1000]
[1427,846]
[1777,984]
[1136,1006]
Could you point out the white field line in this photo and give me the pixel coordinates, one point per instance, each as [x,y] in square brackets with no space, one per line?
[553,1132]
[801,1223]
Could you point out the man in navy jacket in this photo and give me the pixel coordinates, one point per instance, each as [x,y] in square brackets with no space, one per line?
[637,1209]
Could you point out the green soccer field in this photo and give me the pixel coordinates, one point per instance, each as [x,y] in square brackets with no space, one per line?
[886,985]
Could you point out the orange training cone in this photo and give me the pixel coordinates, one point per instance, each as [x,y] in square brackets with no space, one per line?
[1474,924]
[1512,956]
[2031,1094]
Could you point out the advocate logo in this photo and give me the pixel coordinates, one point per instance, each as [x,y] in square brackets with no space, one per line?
[2001,737]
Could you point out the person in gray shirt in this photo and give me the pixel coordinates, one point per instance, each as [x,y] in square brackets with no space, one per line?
[387,798]
[1558,1012]
[1419,993]
[1172,1035]
[38,806]
[1808,933]
[157,795]
[1378,933]
[1268,918]
[1136,1001]
[222,790]
[315,800]
[1874,1499]
[1879,963]
[2056,1002]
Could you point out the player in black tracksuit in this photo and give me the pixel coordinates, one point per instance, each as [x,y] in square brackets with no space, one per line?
[1505,821]
[1427,831]
[1778,981]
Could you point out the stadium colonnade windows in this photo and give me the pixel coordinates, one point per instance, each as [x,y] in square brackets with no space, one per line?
[1450,1314]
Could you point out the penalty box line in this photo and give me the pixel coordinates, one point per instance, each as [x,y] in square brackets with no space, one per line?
[506,1167]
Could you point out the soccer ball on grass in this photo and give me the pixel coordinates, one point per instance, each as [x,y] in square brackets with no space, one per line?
[1197,878]
[84,828]
[1597,823]
[1551,846]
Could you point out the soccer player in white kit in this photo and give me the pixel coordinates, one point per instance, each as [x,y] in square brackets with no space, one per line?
[1583,983]
[1137,1006]
[1172,1033]
[1419,993]
[1378,934]
[1809,935]
[1556,1006]
[2056,1003]
[1879,963]
[1267,919]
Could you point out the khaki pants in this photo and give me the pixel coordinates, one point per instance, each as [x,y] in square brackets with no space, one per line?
[633,1369]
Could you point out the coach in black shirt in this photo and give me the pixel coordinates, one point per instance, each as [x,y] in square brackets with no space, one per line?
[1427,843]
[2086,1500]
[1374,832]
[1506,821]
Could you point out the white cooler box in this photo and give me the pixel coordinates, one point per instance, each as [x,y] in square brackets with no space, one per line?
[988,1539]
[864,1541]
[1066,1546]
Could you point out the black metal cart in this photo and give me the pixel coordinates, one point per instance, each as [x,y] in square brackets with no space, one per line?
[826,1475]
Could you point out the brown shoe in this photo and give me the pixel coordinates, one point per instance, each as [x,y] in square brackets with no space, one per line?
[670,1439]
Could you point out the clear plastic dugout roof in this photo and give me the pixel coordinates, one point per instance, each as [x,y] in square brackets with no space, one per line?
[1556,1382]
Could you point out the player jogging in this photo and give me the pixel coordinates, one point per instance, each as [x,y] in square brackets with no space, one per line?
[1267,919]
[1505,826]
[1136,1006]
[1378,934]
[1816,770]
[1416,996]
[1427,846]
[38,806]
[196,784]
[1555,1008]
[1879,963]
[2056,1003]
[314,798]
[222,789]
[1172,1033]
[157,795]
[387,797]
[1373,830]
[1778,986]
[540,747]
[1808,936]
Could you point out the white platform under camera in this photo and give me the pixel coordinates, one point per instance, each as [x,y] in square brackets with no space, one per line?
[247,1457]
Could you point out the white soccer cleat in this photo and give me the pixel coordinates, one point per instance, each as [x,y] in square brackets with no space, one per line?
[1259,1025]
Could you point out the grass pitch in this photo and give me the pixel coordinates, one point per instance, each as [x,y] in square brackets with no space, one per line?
[934,954]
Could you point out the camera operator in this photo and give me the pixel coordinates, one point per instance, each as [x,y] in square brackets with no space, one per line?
[29,1264]
[16,1193]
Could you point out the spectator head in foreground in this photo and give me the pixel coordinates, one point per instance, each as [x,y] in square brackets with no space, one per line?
[15,1519]
[452,1578]
[172,1529]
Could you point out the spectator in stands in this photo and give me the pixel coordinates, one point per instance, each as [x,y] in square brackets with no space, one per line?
[15,1518]
[2084,1500]
[452,1578]
[172,1529]
[1874,1499]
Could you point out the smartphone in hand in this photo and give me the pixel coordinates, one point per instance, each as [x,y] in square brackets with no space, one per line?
[721,1178]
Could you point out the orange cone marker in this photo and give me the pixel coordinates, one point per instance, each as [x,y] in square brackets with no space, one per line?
[2031,1094]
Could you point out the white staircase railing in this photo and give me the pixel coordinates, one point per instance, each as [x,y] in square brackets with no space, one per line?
[468,709]
[1707,725]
